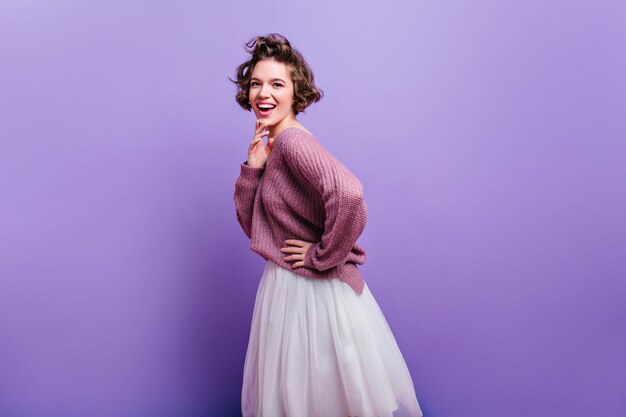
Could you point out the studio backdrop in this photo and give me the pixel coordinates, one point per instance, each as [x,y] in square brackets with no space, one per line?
[490,138]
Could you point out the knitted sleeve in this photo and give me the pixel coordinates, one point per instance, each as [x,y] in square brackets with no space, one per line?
[245,190]
[345,211]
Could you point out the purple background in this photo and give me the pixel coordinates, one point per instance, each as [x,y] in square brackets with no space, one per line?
[490,137]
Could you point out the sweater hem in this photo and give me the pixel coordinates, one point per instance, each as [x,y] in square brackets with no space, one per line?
[347,272]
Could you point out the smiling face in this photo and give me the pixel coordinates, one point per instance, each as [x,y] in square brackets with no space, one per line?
[271,83]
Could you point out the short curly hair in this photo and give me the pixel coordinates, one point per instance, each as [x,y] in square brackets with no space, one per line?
[276,46]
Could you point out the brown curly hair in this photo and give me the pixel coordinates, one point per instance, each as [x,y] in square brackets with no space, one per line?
[276,46]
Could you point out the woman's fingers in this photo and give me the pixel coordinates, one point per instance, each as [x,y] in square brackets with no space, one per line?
[258,136]
[259,126]
[294,257]
[256,149]
[298,253]
[257,153]
[295,242]
[294,253]
[254,142]
[261,134]
[291,249]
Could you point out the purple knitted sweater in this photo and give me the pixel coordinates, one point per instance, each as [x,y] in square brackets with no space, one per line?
[304,192]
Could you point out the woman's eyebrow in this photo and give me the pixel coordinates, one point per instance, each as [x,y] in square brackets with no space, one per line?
[273,79]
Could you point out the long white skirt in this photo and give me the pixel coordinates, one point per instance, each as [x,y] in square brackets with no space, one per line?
[317,349]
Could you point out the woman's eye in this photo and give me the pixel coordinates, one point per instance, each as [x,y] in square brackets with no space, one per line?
[254,83]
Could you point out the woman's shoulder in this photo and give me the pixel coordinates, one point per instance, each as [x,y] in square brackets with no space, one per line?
[294,131]
[299,140]
[302,149]
[304,153]
[303,129]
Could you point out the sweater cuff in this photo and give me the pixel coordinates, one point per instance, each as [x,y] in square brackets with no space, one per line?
[308,257]
[249,172]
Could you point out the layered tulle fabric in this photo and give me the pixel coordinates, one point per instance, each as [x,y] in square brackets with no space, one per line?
[317,349]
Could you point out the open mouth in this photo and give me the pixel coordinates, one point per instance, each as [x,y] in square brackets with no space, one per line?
[265,109]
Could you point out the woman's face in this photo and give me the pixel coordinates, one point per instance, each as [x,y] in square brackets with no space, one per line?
[271,83]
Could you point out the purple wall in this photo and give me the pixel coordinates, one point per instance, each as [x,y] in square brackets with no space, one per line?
[491,141]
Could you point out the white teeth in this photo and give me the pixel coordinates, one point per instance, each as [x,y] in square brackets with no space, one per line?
[266,106]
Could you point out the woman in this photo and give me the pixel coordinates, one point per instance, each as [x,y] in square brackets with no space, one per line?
[319,344]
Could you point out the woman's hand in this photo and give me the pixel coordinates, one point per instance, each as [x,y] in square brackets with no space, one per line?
[298,249]
[257,152]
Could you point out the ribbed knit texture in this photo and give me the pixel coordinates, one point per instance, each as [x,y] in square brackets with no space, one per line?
[304,192]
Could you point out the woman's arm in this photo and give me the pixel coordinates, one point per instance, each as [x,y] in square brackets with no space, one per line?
[342,194]
[245,190]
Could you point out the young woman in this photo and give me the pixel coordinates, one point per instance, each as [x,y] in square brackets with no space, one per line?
[319,344]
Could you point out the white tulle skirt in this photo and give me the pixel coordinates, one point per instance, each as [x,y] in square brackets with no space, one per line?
[317,349]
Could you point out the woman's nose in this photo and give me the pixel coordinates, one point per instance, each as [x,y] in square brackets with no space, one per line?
[264,91]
